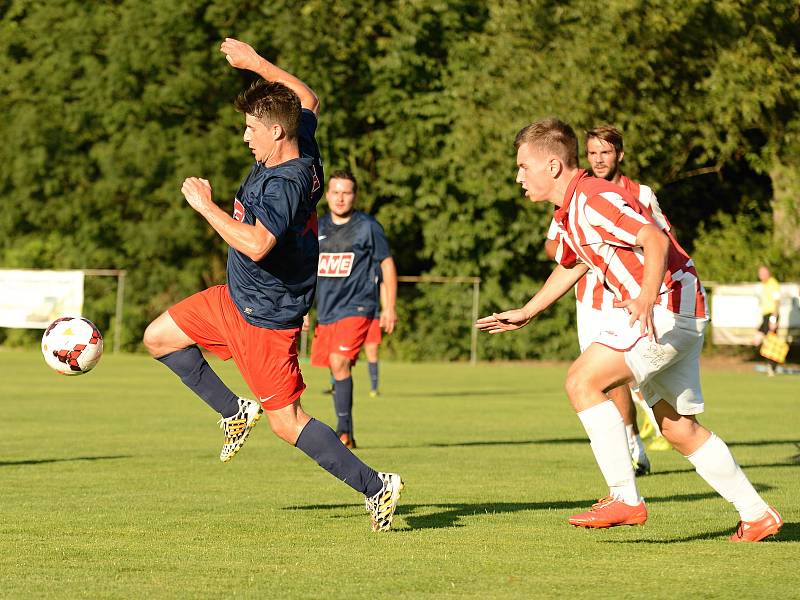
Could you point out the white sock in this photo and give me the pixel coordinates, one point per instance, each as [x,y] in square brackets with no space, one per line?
[649,412]
[635,445]
[606,431]
[714,462]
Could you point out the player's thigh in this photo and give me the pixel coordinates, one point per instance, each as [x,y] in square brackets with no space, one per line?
[163,336]
[598,368]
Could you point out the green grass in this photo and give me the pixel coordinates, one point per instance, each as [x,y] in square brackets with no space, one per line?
[111,488]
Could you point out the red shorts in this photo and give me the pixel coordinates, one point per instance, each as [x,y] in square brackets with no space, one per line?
[267,358]
[345,337]
[374,335]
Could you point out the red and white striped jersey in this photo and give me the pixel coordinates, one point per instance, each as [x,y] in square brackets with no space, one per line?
[589,289]
[598,224]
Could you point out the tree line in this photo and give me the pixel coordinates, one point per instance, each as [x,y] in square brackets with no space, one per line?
[107,106]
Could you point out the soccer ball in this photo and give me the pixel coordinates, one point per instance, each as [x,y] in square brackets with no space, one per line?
[72,345]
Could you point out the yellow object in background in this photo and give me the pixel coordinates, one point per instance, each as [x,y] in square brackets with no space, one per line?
[774,348]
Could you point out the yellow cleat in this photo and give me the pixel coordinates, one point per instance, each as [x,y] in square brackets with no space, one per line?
[647,429]
[382,505]
[659,444]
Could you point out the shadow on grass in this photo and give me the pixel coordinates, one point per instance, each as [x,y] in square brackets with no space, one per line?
[764,443]
[456,394]
[790,532]
[778,465]
[44,461]
[451,514]
[546,442]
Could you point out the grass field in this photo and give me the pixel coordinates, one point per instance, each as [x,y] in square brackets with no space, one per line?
[111,488]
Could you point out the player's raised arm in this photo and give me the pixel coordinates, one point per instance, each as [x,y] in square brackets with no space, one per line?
[559,283]
[243,56]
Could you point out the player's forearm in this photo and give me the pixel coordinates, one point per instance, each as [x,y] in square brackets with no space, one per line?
[389,285]
[656,247]
[271,72]
[247,239]
[561,281]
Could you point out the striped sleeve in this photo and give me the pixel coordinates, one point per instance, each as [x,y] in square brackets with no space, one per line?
[565,256]
[616,222]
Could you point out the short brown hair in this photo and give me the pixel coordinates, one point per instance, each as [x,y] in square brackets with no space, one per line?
[607,133]
[551,135]
[271,103]
[343,174]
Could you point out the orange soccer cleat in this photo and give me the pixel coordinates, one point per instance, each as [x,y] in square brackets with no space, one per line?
[610,512]
[348,440]
[755,531]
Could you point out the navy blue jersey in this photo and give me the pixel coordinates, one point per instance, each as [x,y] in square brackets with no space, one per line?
[277,291]
[349,262]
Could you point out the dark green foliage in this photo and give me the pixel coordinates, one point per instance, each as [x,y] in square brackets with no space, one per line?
[108,106]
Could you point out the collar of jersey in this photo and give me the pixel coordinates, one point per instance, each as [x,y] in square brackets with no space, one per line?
[560,214]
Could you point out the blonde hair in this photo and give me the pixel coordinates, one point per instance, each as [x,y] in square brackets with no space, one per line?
[552,136]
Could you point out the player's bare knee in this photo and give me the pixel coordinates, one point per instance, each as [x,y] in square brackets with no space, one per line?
[576,387]
[152,340]
[340,366]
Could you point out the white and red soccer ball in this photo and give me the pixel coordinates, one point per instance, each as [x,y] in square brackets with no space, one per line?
[72,345]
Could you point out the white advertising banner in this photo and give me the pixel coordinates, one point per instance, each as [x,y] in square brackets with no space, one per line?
[736,312]
[33,299]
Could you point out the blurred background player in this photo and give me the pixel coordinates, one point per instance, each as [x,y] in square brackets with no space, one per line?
[271,274]
[603,227]
[594,304]
[770,299]
[353,248]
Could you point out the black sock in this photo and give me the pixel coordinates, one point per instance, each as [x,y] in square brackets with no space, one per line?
[343,405]
[373,375]
[319,442]
[197,374]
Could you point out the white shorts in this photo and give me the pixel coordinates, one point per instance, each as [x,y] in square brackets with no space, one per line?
[592,322]
[667,368]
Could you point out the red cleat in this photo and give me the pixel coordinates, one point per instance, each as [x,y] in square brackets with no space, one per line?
[755,531]
[610,512]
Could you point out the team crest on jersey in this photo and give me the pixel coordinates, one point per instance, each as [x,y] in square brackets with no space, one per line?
[238,210]
[335,264]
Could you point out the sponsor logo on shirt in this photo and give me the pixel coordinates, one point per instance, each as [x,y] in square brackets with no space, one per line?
[238,210]
[335,264]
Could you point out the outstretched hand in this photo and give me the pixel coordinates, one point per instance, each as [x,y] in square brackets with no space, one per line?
[509,320]
[640,310]
[239,54]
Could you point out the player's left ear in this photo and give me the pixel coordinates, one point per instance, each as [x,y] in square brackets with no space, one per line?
[620,156]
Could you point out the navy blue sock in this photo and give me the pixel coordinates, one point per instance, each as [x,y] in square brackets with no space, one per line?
[197,374]
[343,404]
[319,442]
[373,375]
